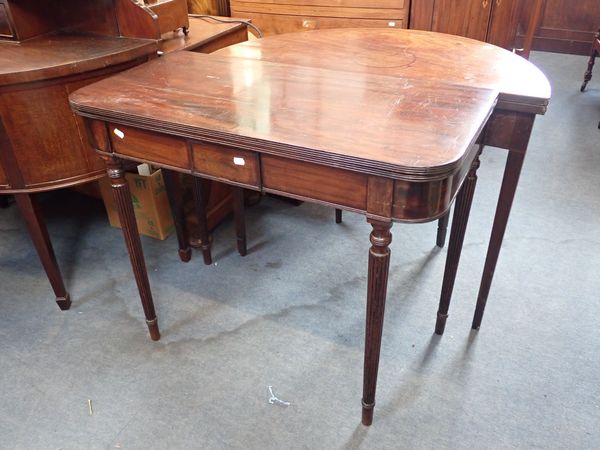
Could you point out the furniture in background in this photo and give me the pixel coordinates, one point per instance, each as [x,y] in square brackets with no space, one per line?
[285,16]
[413,155]
[566,26]
[594,51]
[48,49]
[493,21]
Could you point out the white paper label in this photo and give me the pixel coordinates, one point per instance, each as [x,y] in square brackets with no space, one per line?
[239,161]
[391,24]
[119,133]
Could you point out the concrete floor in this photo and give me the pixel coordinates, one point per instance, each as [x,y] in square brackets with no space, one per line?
[291,315]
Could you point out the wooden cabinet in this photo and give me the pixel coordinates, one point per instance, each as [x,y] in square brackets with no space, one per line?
[493,21]
[285,16]
[566,26]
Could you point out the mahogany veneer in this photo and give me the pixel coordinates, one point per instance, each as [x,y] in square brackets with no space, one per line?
[386,123]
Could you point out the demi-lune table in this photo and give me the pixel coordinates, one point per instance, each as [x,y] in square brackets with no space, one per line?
[386,123]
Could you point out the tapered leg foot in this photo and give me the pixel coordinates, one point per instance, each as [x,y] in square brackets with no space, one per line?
[38,232]
[122,196]
[514,163]
[153,329]
[379,264]
[201,195]
[64,303]
[240,219]
[338,216]
[462,210]
[367,414]
[173,188]
[442,230]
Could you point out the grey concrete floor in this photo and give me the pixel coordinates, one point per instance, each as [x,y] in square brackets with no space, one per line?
[291,315]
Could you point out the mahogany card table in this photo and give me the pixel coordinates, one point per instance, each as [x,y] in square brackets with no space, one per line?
[386,123]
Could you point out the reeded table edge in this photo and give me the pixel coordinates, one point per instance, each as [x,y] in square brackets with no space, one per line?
[323,157]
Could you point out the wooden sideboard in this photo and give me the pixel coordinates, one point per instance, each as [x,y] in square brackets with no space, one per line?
[286,16]
[566,26]
[49,49]
[493,21]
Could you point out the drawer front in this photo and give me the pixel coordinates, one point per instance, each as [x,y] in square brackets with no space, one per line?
[319,10]
[5,26]
[286,16]
[278,24]
[315,182]
[368,4]
[149,146]
[227,164]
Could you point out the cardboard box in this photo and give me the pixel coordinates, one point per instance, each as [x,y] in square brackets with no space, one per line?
[150,204]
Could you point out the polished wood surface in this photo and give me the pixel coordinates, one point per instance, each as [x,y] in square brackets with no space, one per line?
[413,54]
[205,36]
[253,97]
[314,96]
[286,16]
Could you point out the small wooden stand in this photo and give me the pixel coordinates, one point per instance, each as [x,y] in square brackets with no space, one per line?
[151,19]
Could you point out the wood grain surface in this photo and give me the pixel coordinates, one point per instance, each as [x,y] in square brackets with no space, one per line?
[409,53]
[399,127]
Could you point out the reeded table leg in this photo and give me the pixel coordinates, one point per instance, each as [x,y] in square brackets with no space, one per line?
[514,163]
[462,209]
[201,195]
[379,264]
[173,186]
[240,219]
[39,235]
[442,230]
[122,197]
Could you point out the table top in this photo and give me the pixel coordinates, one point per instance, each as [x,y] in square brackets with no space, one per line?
[409,53]
[403,128]
[201,31]
[62,54]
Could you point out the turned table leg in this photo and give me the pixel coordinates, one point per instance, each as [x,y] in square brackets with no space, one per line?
[201,195]
[442,230]
[379,264]
[38,232]
[462,209]
[240,219]
[514,163]
[122,196]
[173,187]
[588,73]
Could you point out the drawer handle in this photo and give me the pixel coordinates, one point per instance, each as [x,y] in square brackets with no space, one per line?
[119,133]
[239,161]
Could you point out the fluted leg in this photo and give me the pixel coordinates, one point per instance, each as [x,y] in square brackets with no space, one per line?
[201,195]
[442,230]
[122,197]
[338,216]
[173,187]
[41,240]
[379,264]
[514,163]
[240,219]
[457,236]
